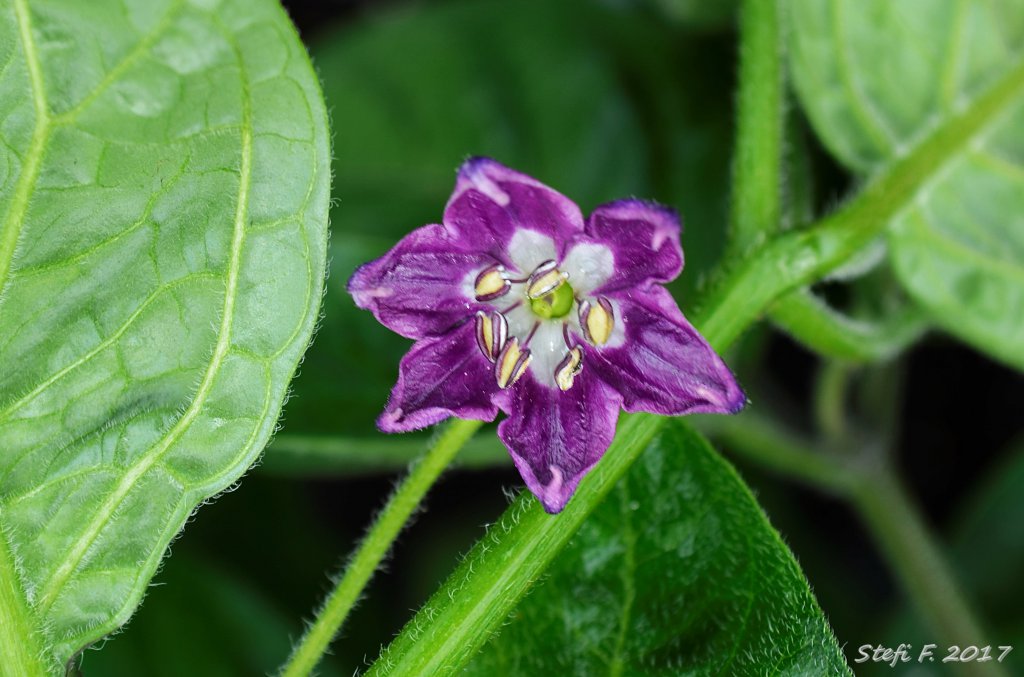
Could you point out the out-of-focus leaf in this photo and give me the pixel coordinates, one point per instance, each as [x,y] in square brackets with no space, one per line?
[599,103]
[677,572]
[231,599]
[164,191]
[875,77]
[986,549]
[227,627]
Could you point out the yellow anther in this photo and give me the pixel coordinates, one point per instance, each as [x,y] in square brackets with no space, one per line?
[511,363]
[491,284]
[597,321]
[569,368]
[491,333]
[544,280]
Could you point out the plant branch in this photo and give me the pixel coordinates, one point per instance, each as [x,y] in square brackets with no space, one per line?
[459,618]
[757,156]
[320,455]
[809,320]
[765,442]
[797,258]
[375,546]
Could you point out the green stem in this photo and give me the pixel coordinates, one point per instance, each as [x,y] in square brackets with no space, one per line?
[764,442]
[21,651]
[827,332]
[320,455]
[830,400]
[795,259]
[520,547]
[375,546]
[757,157]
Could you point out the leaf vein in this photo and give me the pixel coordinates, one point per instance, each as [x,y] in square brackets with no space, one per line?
[147,460]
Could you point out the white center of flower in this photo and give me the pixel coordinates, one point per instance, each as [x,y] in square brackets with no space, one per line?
[541,307]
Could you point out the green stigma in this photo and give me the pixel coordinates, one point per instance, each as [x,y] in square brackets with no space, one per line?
[555,304]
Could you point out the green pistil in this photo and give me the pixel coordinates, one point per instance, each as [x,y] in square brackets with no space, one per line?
[556,304]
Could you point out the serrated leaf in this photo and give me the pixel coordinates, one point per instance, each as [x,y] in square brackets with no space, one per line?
[875,78]
[164,181]
[676,572]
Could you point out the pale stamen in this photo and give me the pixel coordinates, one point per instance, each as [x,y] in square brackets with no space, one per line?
[491,284]
[491,333]
[511,363]
[544,280]
[597,321]
[569,368]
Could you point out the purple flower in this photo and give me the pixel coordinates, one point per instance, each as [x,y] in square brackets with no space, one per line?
[517,304]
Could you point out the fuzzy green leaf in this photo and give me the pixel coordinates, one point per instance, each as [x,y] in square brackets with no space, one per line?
[677,572]
[164,184]
[875,77]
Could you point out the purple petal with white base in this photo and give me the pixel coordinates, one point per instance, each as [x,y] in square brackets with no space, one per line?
[441,377]
[555,437]
[492,202]
[519,305]
[663,365]
[644,238]
[414,289]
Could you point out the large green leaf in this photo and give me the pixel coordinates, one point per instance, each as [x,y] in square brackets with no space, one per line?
[164,181]
[599,103]
[677,572]
[875,77]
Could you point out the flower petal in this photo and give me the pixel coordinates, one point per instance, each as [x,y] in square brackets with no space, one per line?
[555,437]
[662,365]
[419,287]
[441,377]
[492,202]
[644,239]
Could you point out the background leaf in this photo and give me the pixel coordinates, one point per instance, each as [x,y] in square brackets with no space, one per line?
[874,77]
[165,193]
[676,572]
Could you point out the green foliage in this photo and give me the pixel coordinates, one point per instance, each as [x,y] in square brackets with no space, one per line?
[989,554]
[875,77]
[597,103]
[165,185]
[676,572]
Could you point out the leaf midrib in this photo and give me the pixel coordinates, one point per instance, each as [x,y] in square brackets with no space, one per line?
[147,460]
[19,640]
[11,230]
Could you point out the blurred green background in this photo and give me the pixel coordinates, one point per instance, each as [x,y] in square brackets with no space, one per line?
[600,100]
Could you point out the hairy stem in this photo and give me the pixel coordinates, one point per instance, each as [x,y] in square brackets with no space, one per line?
[516,550]
[757,157]
[375,546]
[829,333]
